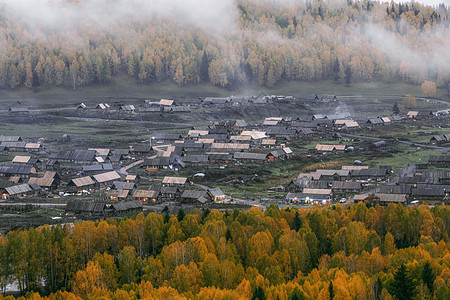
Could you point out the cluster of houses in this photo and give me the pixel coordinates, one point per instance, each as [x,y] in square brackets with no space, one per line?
[38,170]
[417,184]
[81,172]
[220,144]
[324,185]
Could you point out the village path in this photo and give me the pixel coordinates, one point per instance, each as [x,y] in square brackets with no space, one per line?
[124,170]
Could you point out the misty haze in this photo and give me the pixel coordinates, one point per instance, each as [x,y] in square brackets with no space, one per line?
[234,149]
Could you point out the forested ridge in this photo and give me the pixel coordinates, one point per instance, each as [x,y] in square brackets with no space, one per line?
[351,252]
[267,42]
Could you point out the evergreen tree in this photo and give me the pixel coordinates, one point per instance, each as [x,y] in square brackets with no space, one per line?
[181,214]
[403,287]
[259,294]
[228,234]
[205,214]
[296,294]
[336,69]
[166,217]
[297,222]
[331,290]
[428,276]
[204,67]
[395,109]
[377,288]
[348,75]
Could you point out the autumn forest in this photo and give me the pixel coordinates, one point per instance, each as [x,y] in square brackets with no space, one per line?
[354,252]
[263,43]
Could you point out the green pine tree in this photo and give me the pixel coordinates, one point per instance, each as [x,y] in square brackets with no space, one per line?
[181,214]
[259,294]
[228,234]
[377,288]
[348,75]
[296,294]
[428,276]
[336,69]
[297,222]
[204,67]
[403,287]
[166,217]
[331,290]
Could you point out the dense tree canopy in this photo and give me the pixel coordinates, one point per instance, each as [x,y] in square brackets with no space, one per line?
[344,252]
[271,41]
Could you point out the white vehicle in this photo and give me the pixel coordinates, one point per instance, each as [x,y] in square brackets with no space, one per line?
[343,200]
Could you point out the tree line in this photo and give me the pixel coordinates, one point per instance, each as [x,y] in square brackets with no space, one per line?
[356,252]
[312,40]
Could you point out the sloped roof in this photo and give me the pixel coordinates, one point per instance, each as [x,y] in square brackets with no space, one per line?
[166,102]
[317,191]
[4,138]
[269,142]
[44,182]
[230,146]
[21,159]
[323,147]
[49,174]
[19,189]
[83,181]
[123,185]
[32,146]
[354,167]
[369,172]
[327,172]
[346,185]
[278,153]
[251,156]
[14,144]
[75,155]
[174,180]
[131,177]
[193,194]
[105,177]
[144,194]
[255,135]
[18,169]
[157,161]
[169,190]
[287,150]
[195,158]
[117,193]
[397,198]
[270,122]
[394,189]
[280,131]
[216,192]
[197,132]
[101,151]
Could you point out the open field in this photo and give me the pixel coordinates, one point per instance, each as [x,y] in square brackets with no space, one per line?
[120,88]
